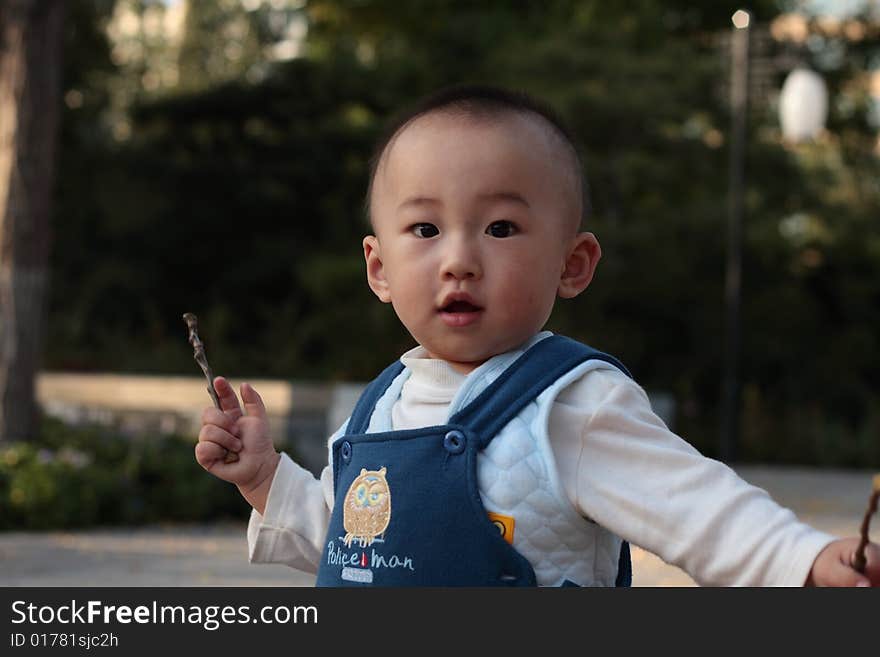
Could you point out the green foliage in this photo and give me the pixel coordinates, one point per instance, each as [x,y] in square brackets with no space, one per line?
[78,477]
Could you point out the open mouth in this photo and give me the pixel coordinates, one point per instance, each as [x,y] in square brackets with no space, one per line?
[460,307]
[460,313]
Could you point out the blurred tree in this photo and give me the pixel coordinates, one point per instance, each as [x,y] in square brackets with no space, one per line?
[30,55]
[219,44]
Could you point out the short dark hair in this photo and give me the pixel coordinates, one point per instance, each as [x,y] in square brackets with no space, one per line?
[481,101]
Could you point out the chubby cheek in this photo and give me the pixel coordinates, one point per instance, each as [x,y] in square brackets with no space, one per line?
[408,272]
[528,296]
[528,271]
[522,306]
[412,295]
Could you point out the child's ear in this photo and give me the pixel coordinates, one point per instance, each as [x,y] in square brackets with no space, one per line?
[375,269]
[580,264]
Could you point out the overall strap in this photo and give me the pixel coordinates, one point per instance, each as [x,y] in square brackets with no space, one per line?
[363,410]
[526,378]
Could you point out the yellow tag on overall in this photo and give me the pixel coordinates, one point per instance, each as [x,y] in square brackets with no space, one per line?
[504,524]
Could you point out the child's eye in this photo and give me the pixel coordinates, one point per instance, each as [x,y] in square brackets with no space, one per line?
[425,230]
[501,229]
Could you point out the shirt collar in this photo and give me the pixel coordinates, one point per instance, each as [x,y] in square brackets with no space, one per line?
[432,372]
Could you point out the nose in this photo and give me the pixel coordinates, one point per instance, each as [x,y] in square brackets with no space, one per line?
[461,260]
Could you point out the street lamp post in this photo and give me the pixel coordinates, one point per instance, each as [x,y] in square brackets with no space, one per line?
[739,101]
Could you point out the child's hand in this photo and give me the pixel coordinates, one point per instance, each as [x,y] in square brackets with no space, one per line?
[244,432]
[833,566]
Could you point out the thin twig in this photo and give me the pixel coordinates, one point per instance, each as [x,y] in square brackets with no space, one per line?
[192,323]
[859,560]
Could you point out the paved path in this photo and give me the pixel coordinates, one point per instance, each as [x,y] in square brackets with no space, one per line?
[216,555]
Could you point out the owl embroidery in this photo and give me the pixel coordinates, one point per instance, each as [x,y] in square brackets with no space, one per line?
[366,510]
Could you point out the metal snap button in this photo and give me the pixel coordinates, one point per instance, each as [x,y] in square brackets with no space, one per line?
[346,451]
[454,442]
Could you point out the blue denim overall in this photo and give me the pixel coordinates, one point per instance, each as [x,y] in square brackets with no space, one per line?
[407,508]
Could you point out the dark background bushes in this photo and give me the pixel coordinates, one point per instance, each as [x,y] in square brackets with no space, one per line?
[77,477]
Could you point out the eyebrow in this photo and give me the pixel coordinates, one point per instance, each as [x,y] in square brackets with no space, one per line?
[417,201]
[505,196]
[513,197]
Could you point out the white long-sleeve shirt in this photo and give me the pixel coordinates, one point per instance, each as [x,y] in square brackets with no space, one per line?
[620,466]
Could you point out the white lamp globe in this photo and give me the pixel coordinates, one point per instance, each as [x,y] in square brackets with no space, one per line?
[803,105]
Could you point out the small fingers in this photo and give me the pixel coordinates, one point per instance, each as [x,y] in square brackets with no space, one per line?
[872,568]
[228,399]
[208,454]
[843,574]
[217,417]
[211,433]
[253,403]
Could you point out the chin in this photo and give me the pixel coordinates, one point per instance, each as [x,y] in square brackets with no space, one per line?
[464,352]
[456,353]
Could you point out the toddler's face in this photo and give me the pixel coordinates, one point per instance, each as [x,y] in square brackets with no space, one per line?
[475,234]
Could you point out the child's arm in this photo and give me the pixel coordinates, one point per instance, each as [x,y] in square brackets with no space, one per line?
[633,475]
[245,432]
[833,565]
[291,507]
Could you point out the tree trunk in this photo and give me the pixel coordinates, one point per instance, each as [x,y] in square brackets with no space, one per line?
[30,85]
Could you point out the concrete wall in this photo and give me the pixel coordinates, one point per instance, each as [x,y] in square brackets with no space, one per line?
[299,412]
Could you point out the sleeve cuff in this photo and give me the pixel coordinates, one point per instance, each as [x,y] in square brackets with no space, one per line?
[809,546]
[292,528]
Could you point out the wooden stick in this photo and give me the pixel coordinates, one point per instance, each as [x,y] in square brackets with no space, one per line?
[859,560]
[192,323]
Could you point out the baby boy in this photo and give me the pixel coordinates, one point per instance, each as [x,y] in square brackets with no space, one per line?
[493,452]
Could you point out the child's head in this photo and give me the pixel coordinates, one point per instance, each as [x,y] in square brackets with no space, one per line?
[476,202]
